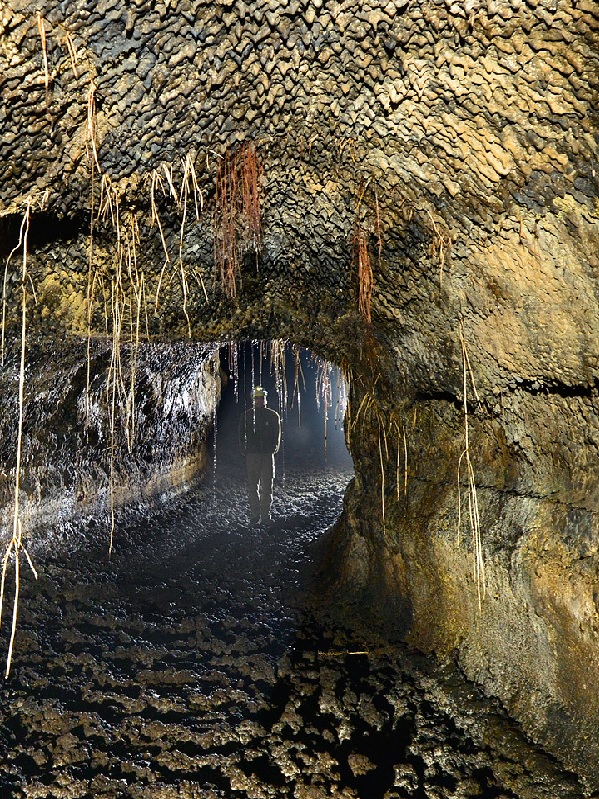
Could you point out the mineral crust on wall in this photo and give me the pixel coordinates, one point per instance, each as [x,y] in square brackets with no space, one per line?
[426,176]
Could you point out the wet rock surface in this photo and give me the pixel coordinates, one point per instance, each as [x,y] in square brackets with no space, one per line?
[71,472]
[187,665]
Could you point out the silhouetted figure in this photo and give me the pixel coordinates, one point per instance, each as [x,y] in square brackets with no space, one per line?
[259,438]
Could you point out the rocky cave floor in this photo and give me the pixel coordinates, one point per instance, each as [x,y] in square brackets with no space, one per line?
[186,665]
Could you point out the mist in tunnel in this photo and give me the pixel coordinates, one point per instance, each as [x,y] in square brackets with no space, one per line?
[307,392]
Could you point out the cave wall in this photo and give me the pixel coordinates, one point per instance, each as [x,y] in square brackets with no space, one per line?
[453,143]
[93,449]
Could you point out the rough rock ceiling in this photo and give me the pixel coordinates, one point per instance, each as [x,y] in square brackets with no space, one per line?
[471,106]
[459,139]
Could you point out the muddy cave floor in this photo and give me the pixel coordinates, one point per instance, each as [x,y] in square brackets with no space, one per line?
[187,665]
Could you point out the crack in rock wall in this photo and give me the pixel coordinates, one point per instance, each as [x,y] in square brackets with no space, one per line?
[451,148]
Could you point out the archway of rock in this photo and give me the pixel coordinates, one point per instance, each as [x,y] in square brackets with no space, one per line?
[309,393]
[453,143]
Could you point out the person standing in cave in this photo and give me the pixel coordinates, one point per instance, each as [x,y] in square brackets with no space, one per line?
[259,438]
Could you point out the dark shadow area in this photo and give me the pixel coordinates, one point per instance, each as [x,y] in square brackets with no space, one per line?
[43,229]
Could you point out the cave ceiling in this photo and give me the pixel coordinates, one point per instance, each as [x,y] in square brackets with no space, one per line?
[452,144]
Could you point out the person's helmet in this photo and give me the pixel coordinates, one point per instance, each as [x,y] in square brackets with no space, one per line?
[259,392]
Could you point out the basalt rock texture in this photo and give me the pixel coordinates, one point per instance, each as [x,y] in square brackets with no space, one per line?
[409,189]
[90,447]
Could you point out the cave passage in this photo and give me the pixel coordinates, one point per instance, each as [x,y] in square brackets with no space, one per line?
[310,396]
[193,661]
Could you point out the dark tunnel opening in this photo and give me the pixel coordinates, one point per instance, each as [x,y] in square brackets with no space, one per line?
[307,392]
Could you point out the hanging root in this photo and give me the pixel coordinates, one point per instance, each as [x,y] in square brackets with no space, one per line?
[72,53]
[473,509]
[91,126]
[42,32]
[189,185]
[237,214]
[250,198]
[405,455]
[360,252]
[391,432]
[382,462]
[122,288]
[278,358]
[226,247]
[441,243]
[15,545]
[164,181]
[126,304]
[365,278]
[401,475]
[378,225]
